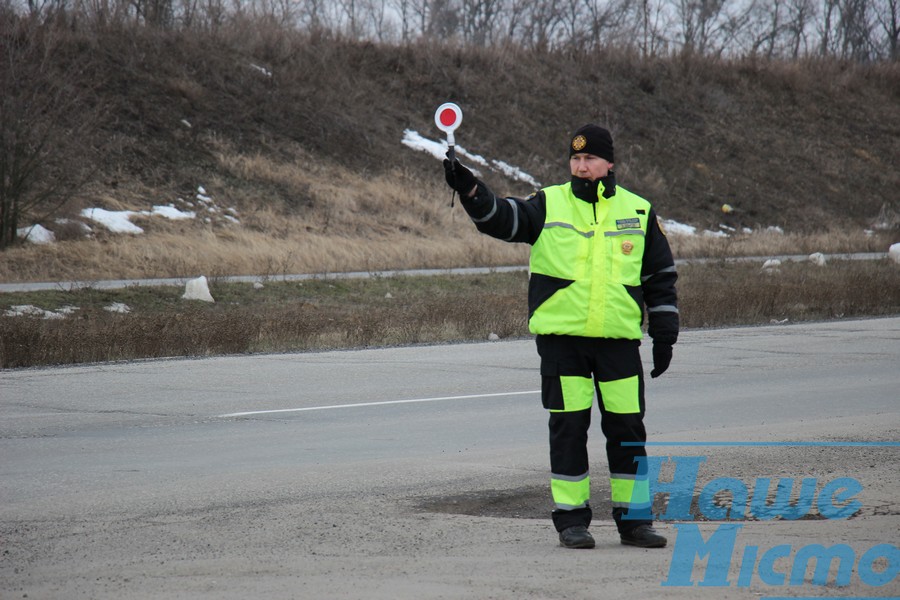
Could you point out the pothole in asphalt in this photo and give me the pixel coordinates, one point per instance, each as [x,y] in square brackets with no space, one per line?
[534,502]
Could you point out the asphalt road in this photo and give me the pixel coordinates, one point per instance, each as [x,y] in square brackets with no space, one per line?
[422,472]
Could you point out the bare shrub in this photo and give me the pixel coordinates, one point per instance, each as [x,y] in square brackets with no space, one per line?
[353,314]
[48,115]
[773,243]
[738,294]
[96,335]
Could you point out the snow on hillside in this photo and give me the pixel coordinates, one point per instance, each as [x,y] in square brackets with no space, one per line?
[202,206]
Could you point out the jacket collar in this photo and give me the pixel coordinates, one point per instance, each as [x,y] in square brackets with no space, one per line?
[590,191]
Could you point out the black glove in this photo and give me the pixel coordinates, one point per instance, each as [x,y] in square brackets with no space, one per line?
[662,356]
[459,178]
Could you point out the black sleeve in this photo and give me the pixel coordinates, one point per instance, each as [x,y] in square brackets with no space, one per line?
[507,219]
[658,278]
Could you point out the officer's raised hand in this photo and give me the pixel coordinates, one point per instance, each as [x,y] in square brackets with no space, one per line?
[662,356]
[460,178]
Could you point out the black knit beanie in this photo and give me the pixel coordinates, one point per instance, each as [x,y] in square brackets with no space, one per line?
[592,139]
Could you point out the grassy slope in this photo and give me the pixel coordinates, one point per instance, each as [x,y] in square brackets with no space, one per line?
[312,159]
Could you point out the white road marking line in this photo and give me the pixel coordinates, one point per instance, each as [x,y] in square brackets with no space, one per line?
[386,402]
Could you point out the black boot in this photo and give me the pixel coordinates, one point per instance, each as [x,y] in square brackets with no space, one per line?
[643,536]
[576,536]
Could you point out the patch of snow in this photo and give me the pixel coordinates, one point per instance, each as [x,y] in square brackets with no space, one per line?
[202,196]
[186,123]
[118,307]
[475,158]
[676,228]
[27,310]
[894,253]
[197,289]
[262,70]
[817,258]
[117,221]
[771,264]
[515,173]
[81,225]
[170,212]
[413,140]
[36,234]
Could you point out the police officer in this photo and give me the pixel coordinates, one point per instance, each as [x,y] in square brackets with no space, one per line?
[598,256]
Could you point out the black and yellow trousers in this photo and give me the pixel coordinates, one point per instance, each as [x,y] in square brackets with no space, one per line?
[573,370]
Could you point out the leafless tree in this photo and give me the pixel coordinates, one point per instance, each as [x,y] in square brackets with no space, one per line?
[155,13]
[479,19]
[403,9]
[45,122]
[443,19]
[349,17]
[571,20]
[609,22]
[698,20]
[312,14]
[541,23]
[649,23]
[829,10]
[888,17]
[800,14]
[856,30]
[378,23]
[512,18]
[845,30]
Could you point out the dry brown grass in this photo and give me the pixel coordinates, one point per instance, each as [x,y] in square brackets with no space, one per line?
[721,294]
[353,222]
[769,243]
[270,242]
[246,252]
[309,316]
[333,219]
[326,314]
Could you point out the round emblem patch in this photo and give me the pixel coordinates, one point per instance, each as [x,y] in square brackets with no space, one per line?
[627,247]
[579,143]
